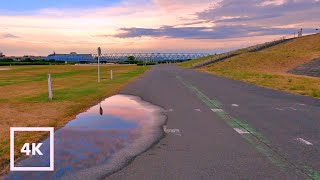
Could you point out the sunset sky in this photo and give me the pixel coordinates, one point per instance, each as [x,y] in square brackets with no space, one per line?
[38,27]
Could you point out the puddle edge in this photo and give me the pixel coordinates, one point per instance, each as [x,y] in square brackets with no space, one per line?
[125,156]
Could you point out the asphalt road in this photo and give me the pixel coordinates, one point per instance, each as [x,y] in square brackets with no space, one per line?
[227,130]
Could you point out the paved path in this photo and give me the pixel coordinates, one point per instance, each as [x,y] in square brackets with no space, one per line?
[224,129]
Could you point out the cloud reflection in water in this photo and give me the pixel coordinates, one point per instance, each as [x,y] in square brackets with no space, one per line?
[92,139]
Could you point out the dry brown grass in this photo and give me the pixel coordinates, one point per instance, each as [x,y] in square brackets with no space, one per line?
[268,67]
[24,102]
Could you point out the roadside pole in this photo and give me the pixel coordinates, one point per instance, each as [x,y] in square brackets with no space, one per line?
[50,87]
[99,54]
[111,75]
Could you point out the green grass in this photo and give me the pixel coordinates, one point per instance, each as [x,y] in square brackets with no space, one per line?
[40,77]
[84,89]
[285,82]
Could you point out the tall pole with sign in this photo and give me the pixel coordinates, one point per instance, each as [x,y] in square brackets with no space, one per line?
[99,54]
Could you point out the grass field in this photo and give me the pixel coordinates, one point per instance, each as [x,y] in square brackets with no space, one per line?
[24,97]
[269,67]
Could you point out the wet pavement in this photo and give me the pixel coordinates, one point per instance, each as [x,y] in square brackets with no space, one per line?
[94,145]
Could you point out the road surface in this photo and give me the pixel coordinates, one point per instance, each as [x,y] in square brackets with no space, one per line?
[219,128]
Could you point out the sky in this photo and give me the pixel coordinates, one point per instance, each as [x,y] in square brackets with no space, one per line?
[38,27]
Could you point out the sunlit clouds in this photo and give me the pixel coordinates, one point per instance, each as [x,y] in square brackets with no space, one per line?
[153,26]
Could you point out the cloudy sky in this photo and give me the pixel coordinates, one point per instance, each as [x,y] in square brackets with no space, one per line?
[40,27]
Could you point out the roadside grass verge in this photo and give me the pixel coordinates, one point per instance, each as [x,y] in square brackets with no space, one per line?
[303,85]
[24,101]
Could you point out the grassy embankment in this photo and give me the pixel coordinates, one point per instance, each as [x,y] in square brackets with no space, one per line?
[24,97]
[188,64]
[269,67]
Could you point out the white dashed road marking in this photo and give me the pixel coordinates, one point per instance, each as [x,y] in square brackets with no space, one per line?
[199,110]
[241,131]
[303,141]
[279,109]
[217,110]
[235,105]
[172,131]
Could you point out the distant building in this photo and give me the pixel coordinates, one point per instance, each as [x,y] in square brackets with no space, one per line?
[38,58]
[72,57]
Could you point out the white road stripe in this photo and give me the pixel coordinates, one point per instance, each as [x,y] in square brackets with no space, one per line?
[303,141]
[279,109]
[241,131]
[217,110]
[293,108]
[172,131]
[235,105]
[199,110]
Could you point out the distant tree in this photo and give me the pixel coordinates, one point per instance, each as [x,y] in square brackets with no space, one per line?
[27,60]
[6,60]
[131,58]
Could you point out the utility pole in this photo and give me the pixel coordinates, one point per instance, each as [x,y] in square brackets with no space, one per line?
[99,54]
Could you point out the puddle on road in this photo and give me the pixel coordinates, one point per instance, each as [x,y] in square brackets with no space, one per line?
[94,145]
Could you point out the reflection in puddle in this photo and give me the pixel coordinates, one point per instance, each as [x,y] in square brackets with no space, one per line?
[94,145]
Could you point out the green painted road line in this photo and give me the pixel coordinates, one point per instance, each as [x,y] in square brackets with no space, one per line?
[256,139]
[215,104]
[315,174]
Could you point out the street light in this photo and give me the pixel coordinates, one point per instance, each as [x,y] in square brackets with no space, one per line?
[99,54]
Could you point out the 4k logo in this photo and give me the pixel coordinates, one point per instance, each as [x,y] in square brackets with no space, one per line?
[33,149]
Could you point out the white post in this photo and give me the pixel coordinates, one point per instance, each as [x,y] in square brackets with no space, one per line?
[50,87]
[111,75]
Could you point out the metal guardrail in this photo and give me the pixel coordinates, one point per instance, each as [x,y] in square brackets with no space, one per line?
[214,59]
[260,47]
[223,56]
